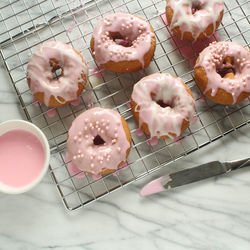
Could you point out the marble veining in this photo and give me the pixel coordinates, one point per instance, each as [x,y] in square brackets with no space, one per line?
[209,215]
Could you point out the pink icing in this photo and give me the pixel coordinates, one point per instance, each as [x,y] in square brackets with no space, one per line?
[22,158]
[153,141]
[90,101]
[139,132]
[51,113]
[195,22]
[93,158]
[178,140]
[133,30]
[35,102]
[212,58]
[195,119]
[124,166]
[76,102]
[128,105]
[163,121]
[41,77]
[201,98]
[155,186]
[96,177]
[98,72]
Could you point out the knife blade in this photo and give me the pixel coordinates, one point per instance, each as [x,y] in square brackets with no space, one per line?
[191,175]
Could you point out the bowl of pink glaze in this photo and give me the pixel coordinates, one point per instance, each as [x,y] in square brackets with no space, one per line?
[24,156]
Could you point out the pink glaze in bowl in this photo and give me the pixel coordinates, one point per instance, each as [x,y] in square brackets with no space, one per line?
[18,186]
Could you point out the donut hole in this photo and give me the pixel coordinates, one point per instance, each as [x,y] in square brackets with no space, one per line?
[196,6]
[161,102]
[120,40]
[57,73]
[227,68]
[56,69]
[123,42]
[98,140]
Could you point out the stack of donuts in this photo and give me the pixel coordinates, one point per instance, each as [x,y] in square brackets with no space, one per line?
[163,106]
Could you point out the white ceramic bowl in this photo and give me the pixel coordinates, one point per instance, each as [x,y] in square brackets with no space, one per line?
[24,125]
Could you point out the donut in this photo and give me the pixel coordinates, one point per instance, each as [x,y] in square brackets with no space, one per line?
[99,141]
[46,60]
[137,49]
[222,72]
[194,19]
[162,105]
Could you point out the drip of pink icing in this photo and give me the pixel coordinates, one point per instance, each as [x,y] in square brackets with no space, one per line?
[22,158]
[195,23]
[90,101]
[124,166]
[178,140]
[100,74]
[212,58]
[188,50]
[201,98]
[93,158]
[76,102]
[195,119]
[132,29]
[128,105]
[162,121]
[153,141]
[96,177]
[139,132]
[35,102]
[41,77]
[51,113]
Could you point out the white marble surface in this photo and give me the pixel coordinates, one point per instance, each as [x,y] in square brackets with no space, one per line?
[212,214]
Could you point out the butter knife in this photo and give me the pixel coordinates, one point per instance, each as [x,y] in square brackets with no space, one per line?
[191,175]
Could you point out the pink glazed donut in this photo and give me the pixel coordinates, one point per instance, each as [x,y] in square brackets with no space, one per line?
[162,105]
[137,47]
[222,72]
[99,141]
[194,19]
[48,58]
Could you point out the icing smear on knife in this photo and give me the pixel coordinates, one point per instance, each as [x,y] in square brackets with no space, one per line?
[156,186]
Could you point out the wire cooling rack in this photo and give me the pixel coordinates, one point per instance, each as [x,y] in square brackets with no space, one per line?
[26,24]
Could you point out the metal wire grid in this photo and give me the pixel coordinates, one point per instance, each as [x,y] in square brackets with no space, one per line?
[25,25]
